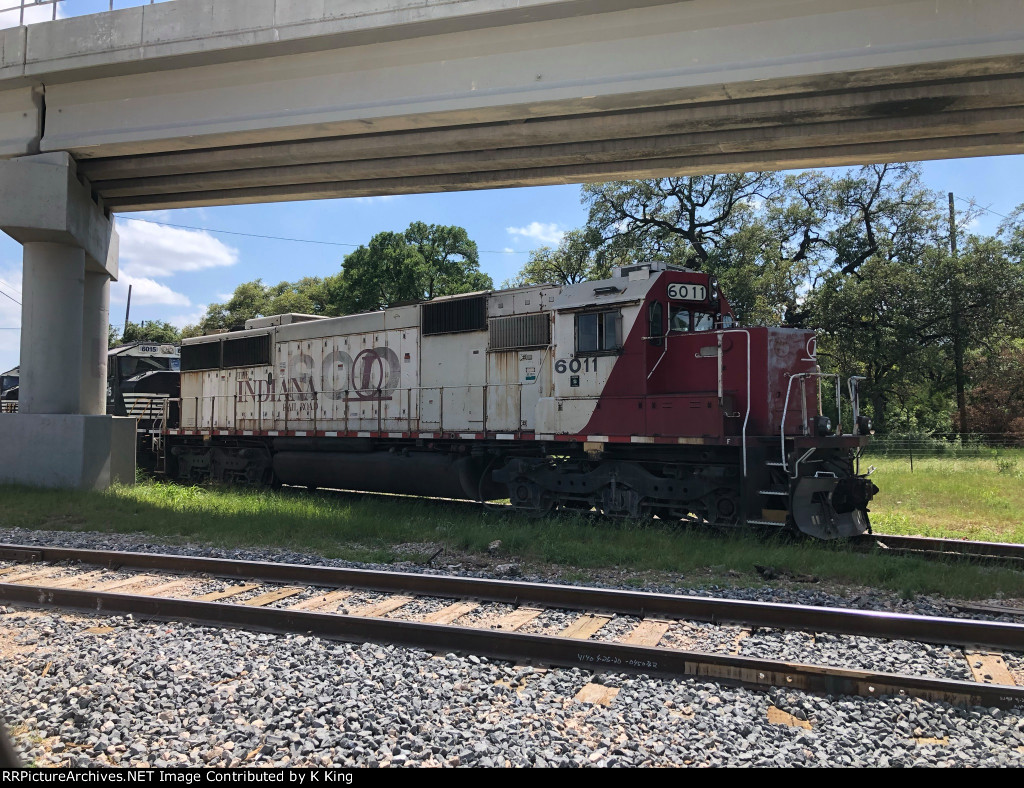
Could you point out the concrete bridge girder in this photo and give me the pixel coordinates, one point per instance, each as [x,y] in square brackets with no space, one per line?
[188,104]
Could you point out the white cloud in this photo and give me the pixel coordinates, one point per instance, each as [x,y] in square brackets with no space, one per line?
[155,250]
[379,198]
[146,291]
[545,232]
[10,317]
[187,319]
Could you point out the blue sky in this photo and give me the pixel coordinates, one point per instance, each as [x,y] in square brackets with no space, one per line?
[176,272]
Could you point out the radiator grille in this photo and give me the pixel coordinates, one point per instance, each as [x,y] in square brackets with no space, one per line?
[247,351]
[202,356]
[518,331]
[450,317]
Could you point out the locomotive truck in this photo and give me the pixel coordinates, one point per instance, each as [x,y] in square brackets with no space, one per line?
[637,396]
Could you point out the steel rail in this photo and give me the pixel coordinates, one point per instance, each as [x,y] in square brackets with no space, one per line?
[948,546]
[992,610]
[514,646]
[926,629]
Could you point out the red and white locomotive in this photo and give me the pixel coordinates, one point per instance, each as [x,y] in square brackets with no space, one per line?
[635,395]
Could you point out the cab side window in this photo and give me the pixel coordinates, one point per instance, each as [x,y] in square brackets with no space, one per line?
[598,332]
[655,320]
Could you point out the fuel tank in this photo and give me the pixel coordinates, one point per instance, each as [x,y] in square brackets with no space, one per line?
[413,473]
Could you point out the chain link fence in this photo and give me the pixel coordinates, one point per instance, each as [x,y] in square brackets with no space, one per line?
[1006,449]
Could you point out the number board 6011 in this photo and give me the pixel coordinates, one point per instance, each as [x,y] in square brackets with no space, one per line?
[681,291]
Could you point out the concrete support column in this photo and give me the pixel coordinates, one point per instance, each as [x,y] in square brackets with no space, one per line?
[53,292]
[95,319]
[61,436]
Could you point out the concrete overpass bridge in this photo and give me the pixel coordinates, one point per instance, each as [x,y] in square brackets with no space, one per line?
[214,102]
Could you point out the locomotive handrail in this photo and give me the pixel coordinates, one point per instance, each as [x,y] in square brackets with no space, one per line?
[721,384]
[202,424]
[803,400]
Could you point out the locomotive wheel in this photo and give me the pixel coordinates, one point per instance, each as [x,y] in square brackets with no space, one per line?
[620,501]
[527,497]
[545,506]
[724,507]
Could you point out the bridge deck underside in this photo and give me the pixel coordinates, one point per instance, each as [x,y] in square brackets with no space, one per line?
[786,128]
[199,102]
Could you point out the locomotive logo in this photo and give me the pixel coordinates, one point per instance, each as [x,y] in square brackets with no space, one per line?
[373,376]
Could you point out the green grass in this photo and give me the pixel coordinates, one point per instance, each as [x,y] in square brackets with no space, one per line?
[967,497]
[387,529]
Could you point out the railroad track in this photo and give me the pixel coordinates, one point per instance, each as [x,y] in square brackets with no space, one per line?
[492,618]
[1004,553]
[993,553]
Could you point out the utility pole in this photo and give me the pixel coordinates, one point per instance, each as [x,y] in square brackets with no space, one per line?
[128,308]
[958,340]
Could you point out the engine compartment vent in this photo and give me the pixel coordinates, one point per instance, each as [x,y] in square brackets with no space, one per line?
[520,331]
[205,355]
[451,316]
[247,351]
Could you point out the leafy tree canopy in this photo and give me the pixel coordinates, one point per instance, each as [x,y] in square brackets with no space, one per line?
[575,260]
[147,331]
[423,262]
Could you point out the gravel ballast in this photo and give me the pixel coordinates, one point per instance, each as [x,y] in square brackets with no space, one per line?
[93,690]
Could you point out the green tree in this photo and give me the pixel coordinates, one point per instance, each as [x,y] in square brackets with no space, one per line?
[151,331]
[575,260]
[896,320]
[382,273]
[995,401]
[423,262]
[306,296]
[450,263]
[250,299]
[770,239]
[147,331]
[872,325]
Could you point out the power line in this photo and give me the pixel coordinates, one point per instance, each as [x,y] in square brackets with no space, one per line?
[15,300]
[280,237]
[970,201]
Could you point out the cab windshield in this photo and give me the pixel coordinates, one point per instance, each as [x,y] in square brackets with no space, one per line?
[129,366]
[684,320]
